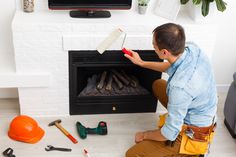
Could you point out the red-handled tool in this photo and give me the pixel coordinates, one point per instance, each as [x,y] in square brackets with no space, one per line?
[56,123]
[125,51]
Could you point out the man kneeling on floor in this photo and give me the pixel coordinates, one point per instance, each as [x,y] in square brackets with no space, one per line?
[189,96]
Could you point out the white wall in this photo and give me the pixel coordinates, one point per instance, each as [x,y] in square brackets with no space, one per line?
[224,58]
[6,47]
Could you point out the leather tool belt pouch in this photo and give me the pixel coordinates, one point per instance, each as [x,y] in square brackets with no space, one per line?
[196,140]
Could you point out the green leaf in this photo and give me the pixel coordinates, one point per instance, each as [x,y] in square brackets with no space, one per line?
[184,1]
[205,7]
[196,2]
[221,5]
[143,2]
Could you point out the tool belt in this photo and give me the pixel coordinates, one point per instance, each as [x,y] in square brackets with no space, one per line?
[194,140]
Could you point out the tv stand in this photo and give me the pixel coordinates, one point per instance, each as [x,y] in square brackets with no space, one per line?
[90,14]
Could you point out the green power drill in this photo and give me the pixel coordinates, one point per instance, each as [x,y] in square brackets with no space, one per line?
[101,129]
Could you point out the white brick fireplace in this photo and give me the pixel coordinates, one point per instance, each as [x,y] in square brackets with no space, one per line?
[42,40]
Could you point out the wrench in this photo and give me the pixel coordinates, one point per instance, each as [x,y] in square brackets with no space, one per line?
[50,148]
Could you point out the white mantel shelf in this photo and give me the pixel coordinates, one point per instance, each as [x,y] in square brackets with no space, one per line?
[43,38]
[134,24]
[117,18]
[28,21]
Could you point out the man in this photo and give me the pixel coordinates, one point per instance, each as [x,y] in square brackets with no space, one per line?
[189,94]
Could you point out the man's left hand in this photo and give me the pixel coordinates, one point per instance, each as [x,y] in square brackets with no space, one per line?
[139,136]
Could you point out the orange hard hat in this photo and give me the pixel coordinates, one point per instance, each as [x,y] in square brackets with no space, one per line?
[25,129]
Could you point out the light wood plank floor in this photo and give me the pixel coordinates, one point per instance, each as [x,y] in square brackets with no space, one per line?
[121,130]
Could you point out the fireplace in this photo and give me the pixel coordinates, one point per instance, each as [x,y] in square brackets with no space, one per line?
[91,92]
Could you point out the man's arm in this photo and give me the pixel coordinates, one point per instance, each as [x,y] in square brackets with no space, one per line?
[178,104]
[157,66]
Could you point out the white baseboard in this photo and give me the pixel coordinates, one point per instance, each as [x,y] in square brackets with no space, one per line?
[222,87]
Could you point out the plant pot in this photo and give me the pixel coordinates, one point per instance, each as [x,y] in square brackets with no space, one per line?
[28,6]
[142,9]
[195,12]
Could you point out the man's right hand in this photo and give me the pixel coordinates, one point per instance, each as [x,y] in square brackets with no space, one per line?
[153,65]
[135,58]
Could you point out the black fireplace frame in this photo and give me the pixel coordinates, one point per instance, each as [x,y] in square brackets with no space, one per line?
[89,60]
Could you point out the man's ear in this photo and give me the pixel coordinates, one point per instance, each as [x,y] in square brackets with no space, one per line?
[165,52]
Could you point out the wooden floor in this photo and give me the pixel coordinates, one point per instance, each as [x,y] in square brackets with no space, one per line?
[121,130]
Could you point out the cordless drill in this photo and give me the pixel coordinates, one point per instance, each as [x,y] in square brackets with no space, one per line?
[101,129]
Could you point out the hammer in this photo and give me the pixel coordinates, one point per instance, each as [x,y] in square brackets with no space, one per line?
[56,123]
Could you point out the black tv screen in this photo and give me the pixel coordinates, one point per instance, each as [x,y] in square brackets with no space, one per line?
[90,4]
[89,8]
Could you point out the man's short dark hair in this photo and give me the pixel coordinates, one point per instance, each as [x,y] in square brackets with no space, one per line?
[170,36]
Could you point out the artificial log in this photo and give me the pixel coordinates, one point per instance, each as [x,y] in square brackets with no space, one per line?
[121,77]
[109,83]
[118,82]
[134,81]
[102,80]
[126,76]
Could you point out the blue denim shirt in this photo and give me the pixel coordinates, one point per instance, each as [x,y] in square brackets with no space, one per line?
[191,90]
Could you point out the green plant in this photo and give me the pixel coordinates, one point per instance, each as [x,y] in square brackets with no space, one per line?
[220,4]
[143,2]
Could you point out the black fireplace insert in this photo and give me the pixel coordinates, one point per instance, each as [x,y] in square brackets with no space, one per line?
[110,83]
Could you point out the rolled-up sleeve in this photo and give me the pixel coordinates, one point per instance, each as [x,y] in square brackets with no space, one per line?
[178,103]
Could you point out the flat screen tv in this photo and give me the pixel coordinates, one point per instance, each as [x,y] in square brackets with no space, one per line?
[89,8]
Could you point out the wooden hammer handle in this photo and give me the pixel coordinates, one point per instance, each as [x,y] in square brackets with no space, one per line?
[65,132]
